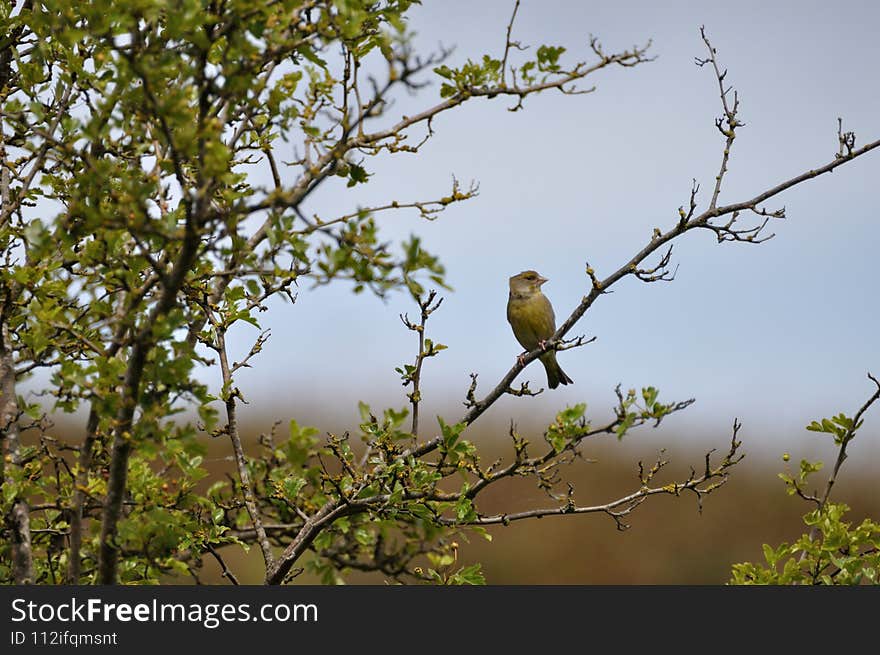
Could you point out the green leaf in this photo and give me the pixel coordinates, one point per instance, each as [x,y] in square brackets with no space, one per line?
[293,485]
[357,175]
[312,56]
[464,510]
[364,537]
[450,433]
[470,575]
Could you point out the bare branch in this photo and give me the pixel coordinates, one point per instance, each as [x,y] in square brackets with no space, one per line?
[523,391]
[508,44]
[660,272]
[427,306]
[428,209]
[714,477]
[726,125]
[225,572]
[229,394]
[847,140]
[470,398]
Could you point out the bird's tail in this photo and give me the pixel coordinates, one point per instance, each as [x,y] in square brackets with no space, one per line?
[555,374]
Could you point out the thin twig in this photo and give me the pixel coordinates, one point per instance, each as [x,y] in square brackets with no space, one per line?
[508,42]
[226,573]
[427,307]
[240,459]
[729,115]
[717,475]
[844,442]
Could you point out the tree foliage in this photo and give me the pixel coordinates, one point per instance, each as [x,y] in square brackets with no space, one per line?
[832,551]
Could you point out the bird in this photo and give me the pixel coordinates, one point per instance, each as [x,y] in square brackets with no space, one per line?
[530,314]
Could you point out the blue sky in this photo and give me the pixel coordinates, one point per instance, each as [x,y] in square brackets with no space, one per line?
[777,334]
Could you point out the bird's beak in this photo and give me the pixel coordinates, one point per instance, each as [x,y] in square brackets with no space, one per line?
[541,280]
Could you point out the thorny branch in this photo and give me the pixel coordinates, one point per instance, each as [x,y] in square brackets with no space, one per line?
[231,395]
[508,44]
[728,123]
[413,375]
[713,477]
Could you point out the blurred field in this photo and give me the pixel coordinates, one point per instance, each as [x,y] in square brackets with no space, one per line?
[669,541]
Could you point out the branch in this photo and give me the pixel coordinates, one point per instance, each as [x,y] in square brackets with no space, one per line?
[658,273]
[524,464]
[277,573]
[841,454]
[59,110]
[581,71]
[523,391]
[226,573]
[729,115]
[18,518]
[508,43]
[428,209]
[687,222]
[470,398]
[129,393]
[291,198]
[74,565]
[847,140]
[716,476]
[125,307]
[841,457]
[155,105]
[427,307]
[230,394]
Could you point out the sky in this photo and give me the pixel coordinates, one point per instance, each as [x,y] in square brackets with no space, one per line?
[777,334]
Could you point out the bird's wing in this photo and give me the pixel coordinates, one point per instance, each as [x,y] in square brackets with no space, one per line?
[532,319]
[547,323]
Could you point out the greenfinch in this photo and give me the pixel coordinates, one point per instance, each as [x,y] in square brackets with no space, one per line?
[531,316]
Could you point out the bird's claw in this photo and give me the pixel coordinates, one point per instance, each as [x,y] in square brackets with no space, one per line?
[521,358]
[543,344]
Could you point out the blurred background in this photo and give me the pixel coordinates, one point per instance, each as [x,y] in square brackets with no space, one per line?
[777,334]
